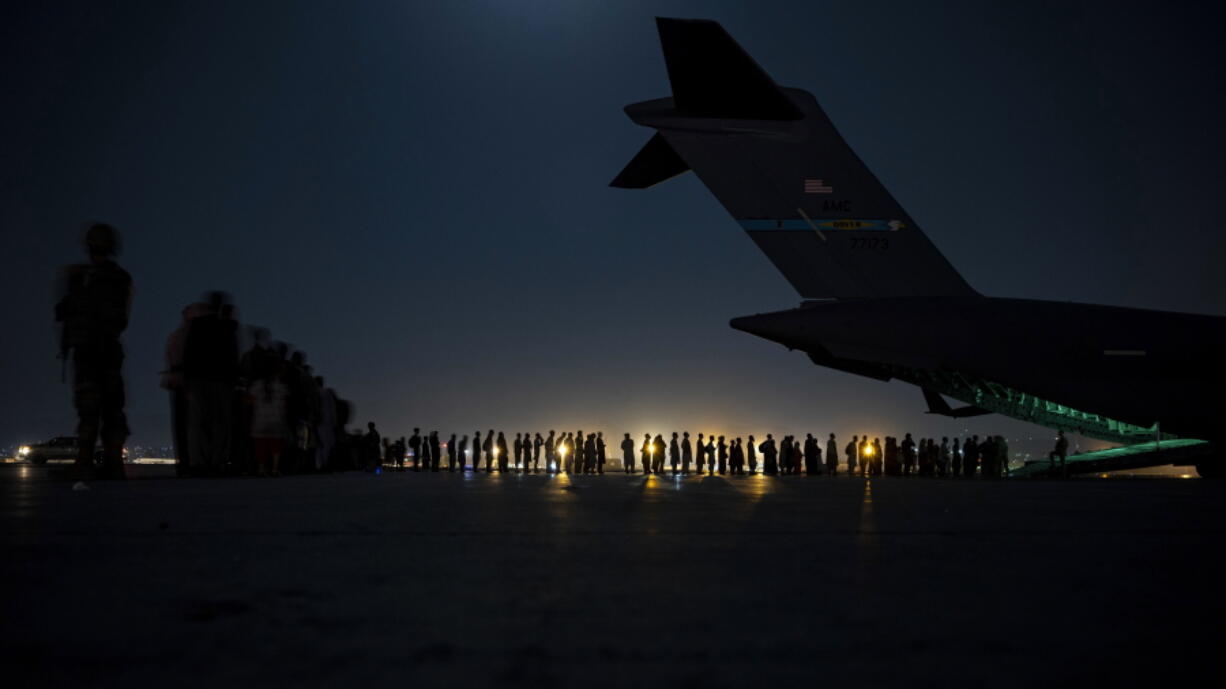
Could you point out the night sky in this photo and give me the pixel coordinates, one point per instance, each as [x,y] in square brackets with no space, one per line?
[416,194]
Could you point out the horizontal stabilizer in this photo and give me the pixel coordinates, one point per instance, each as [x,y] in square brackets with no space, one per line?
[655,163]
[938,405]
[712,76]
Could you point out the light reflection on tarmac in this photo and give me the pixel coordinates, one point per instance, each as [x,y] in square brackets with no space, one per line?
[613,580]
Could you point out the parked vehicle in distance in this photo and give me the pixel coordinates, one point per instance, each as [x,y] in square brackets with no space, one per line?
[61,447]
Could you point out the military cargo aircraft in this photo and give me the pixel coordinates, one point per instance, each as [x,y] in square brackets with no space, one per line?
[879,299]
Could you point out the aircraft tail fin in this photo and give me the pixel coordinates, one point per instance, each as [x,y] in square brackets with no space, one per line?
[775,161]
[712,76]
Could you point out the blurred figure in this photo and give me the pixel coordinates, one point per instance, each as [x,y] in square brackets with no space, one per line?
[436,451]
[878,458]
[537,443]
[710,454]
[326,430]
[955,457]
[674,454]
[600,452]
[210,366]
[462,451]
[269,399]
[551,453]
[491,456]
[657,447]
[452,447]
[476,450]
[721,449]
[174,382]
[628,454]
[93,310]
[518,446]
[943,459]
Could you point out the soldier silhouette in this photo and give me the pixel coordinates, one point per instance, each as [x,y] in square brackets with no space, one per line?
[94,311]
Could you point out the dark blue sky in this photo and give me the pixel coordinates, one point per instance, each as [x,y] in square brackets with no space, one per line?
[416,193]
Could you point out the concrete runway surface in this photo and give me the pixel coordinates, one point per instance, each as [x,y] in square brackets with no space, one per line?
[537,581]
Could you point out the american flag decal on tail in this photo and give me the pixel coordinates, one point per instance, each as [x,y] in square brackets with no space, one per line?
[817,186]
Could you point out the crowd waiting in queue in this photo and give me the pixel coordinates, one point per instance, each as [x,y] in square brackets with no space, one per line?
[586,453]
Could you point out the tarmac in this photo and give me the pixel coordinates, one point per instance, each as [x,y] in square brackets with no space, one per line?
[462,580]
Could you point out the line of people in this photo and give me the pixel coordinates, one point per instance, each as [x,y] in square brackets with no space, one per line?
[263,412]
[989,458]
[585,453]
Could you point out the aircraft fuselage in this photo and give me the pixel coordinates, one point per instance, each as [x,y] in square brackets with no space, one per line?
[1134,365]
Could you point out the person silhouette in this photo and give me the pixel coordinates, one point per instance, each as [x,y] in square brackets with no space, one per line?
[770,466]
[687,453]
[94,311]
[674,454]
[702,453]
[1059,452]
[628,454]
[504,456]
[850,452]
[646,453]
